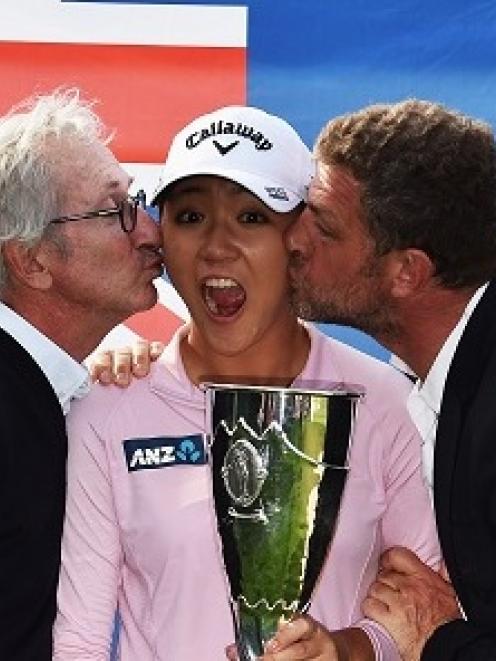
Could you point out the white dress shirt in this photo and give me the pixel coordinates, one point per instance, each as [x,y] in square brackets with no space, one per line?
[69,379]
[424,401]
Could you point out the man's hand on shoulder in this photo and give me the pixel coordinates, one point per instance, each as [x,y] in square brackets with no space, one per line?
[121,365]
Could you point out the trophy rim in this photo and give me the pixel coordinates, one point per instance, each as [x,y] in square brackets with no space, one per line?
[335,389]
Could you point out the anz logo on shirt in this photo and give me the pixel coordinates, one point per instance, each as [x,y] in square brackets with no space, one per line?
[163,451]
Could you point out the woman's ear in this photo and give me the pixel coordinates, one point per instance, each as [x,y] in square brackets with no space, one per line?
[27,264]
[412,272]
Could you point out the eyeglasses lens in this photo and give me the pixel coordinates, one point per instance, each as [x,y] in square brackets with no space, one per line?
[129,210]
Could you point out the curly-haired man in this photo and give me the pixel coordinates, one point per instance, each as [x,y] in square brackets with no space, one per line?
[399,240]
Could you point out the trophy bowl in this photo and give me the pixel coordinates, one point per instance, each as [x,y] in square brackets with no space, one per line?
[279,460]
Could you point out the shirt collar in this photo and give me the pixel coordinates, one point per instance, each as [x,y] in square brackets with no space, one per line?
[431,390]
[68,378]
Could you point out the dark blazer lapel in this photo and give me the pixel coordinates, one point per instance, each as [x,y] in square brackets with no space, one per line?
[39,391]
[477,342]
[12,353]
[462,381]
[448,430]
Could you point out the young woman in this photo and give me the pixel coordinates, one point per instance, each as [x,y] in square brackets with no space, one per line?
[139,534]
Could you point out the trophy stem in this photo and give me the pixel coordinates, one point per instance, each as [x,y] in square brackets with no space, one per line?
[253,631]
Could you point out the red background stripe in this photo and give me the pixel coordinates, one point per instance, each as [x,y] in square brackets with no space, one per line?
[159,323]
[147,92]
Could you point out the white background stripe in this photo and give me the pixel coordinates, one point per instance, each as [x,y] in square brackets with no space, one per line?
[145,175]
[109,23]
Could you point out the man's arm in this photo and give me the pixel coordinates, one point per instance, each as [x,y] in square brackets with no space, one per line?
[32,486]
[415,604]
[462,641]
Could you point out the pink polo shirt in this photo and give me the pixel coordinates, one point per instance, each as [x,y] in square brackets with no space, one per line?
[145,541]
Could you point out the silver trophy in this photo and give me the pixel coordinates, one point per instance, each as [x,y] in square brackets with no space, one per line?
[279,461]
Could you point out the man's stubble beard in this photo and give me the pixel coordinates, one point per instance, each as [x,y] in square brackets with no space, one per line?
[370,314]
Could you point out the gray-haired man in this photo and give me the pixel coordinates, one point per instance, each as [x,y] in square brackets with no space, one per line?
[77,256]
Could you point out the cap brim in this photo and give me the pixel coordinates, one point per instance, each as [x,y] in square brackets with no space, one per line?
[271,193]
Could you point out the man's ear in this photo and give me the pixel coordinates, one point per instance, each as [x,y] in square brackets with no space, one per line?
[412,271]
[27,264]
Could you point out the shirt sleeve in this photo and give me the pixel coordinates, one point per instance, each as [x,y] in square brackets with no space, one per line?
[409,516]
[408,519]
[91,551]
[384,646]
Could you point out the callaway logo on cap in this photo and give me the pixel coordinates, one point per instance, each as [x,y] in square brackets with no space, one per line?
[261,152]
[228,128]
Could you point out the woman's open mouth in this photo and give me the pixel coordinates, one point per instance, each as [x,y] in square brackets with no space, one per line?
[224,297]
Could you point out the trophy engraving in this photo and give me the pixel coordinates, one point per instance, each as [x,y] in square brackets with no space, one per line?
[279,460]
[243,472]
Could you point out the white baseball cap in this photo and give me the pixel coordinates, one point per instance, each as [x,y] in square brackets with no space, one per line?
[261,152]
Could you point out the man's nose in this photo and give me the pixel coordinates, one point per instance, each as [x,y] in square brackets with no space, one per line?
[147,231]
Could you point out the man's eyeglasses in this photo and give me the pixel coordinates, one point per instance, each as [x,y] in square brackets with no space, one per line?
[127,210]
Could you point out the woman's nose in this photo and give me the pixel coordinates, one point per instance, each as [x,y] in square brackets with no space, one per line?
[297,238]
[218,243]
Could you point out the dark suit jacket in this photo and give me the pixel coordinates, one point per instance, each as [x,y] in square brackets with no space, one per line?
[465,489]
[33,446]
